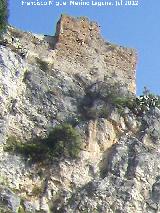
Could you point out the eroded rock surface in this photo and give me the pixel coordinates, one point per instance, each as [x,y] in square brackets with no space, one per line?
[47,80]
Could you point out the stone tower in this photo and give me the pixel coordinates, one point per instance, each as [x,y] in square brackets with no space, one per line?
[81,48]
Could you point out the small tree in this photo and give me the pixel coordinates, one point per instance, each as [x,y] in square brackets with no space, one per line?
[3,15]
[64,140]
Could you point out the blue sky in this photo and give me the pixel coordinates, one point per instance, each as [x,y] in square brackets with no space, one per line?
[131,26]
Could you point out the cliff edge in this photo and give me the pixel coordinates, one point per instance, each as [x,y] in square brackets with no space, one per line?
[73,136]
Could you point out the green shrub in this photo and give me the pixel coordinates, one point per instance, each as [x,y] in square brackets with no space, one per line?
[11,144]
[3,15]
[137,105]
[122,102]
[117,95]
[100,95]
[104,112]
[34,150]
[63,140]
[107,91]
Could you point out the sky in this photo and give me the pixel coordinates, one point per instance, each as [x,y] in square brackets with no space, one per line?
[137,27]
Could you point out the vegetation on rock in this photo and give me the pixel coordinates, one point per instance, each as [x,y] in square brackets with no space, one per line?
[34,150]
[63,140]
[101,95]
[3,15]
[138,105]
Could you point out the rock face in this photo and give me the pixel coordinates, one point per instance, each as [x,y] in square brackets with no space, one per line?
[74,77]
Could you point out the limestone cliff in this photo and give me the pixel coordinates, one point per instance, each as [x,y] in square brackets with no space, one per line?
[76,77]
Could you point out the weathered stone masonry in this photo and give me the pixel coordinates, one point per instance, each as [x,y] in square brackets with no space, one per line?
[79,41]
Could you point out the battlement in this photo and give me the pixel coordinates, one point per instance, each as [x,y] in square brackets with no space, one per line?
[78,30]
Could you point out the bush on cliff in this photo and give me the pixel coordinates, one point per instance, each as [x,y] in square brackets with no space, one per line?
[138,105]
[34,150]
[63,140]
[116,95]
[3,15]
